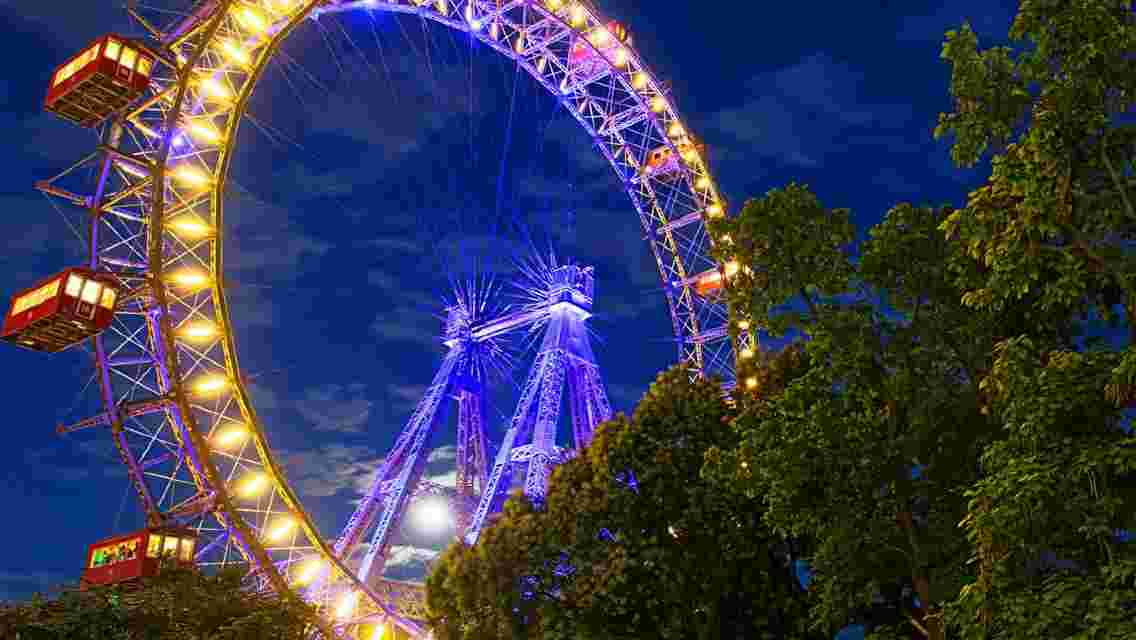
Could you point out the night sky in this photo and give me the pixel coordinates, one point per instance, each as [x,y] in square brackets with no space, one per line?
[385,157]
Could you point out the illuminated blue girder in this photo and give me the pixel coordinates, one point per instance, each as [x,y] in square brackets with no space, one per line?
[565,355]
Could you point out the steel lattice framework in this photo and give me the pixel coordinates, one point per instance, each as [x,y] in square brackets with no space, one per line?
[562,302]
[174,397]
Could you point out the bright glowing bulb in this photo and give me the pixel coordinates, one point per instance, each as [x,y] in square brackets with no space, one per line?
[620,57]
[189,279]
[252,485]
[214,89]
[703,183]
[579,14]
[747,353]
[743,325]
[520,45]
[443,7]
[198,331]
[346,605]
[751,383]
[281,528]
[308,571]
[203,131]
[235,53]
[231,436]
[190,176]
[675,131]
[714,210]
[494,30]
[553,4]
[731,268]
[541,64]
[252,19]
[432,515]
[600,36]
[211,384]
[280,6]
[658,104]
[378,632]
[190,227]
[639,80]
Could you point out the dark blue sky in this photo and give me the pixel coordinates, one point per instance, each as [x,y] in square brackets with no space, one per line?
[360,185]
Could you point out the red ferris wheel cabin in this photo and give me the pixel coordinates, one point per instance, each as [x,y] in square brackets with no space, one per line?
[61,311]
[107,76]
[141,554]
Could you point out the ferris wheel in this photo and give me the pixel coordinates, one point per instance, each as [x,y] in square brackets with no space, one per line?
[152,301]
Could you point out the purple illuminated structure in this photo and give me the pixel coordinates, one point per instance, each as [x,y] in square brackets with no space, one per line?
[557,302]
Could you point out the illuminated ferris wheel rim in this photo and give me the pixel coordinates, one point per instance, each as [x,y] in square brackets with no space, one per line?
[219,56]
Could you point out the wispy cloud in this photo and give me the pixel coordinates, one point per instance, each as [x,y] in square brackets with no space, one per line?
[799,114]
[336,407]
[331,469]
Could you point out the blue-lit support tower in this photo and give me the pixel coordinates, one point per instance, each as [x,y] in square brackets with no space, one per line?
[558,301]
[565,355]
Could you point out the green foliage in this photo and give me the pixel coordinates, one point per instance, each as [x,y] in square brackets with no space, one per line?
[785,262]
[175,605]
[667,556]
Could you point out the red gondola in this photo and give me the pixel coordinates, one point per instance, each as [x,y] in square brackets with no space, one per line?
[61,311]
[141,554]
[107,76]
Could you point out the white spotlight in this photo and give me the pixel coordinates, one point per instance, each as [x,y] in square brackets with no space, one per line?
[432,515]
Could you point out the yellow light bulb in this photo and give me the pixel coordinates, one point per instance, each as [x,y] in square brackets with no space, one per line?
[553,4]
[252,19]
[639,80]
[743,325]
[214,89]
[231,436]
[731,268]
[751,383]
[658,104]
[714,210]
[600,36]
[253,484]
[211,384]
[443,7]
[198,331]
[190,176]
[280,6]
[346,605]
[308,571]
[281,528]
[520,45]
[190,226]
[747,353]
[579,14]
[703,182]
[203,131]
[235,53]
[189,279]
[620,57]
[378,633]
[675,131]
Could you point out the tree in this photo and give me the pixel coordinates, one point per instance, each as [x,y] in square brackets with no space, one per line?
[632,543]
[1053,229]
[178,604]
[888,383]
[960,370]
